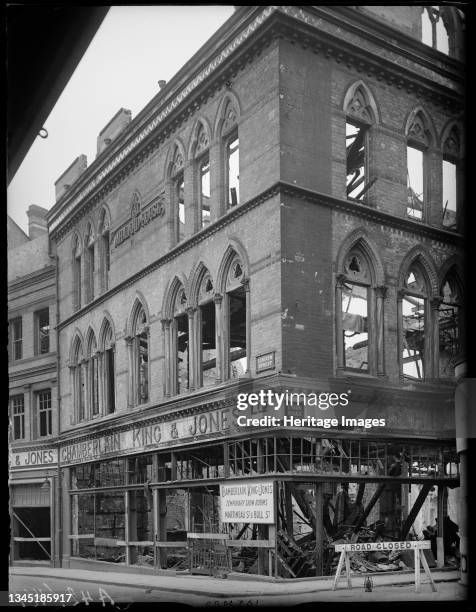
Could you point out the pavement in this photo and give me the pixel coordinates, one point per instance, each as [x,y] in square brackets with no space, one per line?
[242,586]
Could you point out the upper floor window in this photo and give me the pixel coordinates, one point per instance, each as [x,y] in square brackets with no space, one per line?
[202,164]
[76,276]
[415,329]
[92,371]
[449,325]
[207,331]
[16,338]
[104,250]
[450,169]
[232,154]
[78,381]
[236,320]
[360,114]
[178,198]
[108,370]
[17,403]
[434,29]
[418,141]
[181,342]
[90,264]
[45,416]
[140,342]
[42,331]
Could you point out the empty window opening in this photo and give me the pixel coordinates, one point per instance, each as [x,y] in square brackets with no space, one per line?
[434,32]
[414,320]
[205,192]
[233,171]
[42,318]
[237,319]
[77,281]
[142,360]
[449,321]
[183,364]
[44,413]
[449,194]
[109,373]
[33,529]
[415,183]
[18,413]
[208,344]
[355,325]
[356,145]
[180,203]
[90,271]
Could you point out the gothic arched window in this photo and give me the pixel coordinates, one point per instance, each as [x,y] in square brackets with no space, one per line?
[450,170]
[76,263]
[235,320]
[140,347]
[92,371]
[108,370]
[181,343]
[207,330]
[418,141]
[231,143]
[78,375]
[415,348]
[450,323]
[202,158]
[104,250]
[89,264]
[176,175]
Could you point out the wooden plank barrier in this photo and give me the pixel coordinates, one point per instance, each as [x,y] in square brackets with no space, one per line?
[417,546]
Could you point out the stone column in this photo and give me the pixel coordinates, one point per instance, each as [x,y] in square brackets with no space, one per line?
[73,415]
[192,353]
[191,200]
[131,377]
[246,285]
[339,328]
[85,389]
[400,295]
[221,342]
[433,324]
[166,338]
[101,383]
[380,293]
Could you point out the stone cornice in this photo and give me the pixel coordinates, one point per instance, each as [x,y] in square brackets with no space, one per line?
[32,278]
[280,188]
[153,127]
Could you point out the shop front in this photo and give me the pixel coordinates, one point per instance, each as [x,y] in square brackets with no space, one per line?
[275,500]
[33,477]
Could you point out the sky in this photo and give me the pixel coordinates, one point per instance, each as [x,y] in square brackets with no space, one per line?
[135,47]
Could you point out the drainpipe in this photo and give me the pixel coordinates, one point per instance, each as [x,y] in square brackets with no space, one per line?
[59,513]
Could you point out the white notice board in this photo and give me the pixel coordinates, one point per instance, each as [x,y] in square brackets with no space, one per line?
[247,502]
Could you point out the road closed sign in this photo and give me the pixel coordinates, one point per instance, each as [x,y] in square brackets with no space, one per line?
[247,502]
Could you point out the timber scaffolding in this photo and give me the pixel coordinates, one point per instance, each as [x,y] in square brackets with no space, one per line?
[301,542]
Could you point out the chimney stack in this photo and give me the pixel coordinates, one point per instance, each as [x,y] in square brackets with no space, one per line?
[36,221]
[113,129]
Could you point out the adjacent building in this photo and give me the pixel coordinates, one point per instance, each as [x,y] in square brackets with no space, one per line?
[284,217]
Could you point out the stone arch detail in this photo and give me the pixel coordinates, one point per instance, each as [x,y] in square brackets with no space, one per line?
[428,121]
[229,96]
[453,263]
[171,293]
[358,239]
[235,247]
[170,156]
[139,302]
[201,121]
[77,343]
[370,99]
[200,270]
[419,254]
[106,322]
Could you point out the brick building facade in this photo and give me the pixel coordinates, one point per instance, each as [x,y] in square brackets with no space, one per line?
[284,215]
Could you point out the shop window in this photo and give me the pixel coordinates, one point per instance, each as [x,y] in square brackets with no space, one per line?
[76,273]
[109,373]
[42,331]
[16,338]
[449,322]
[89,264]
[104,251]
[45,414]
[414,325]
[208,353]
[236,319]
[434,29]
[17,404]
[141,357]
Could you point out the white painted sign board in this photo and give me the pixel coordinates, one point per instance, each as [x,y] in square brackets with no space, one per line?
[247,502]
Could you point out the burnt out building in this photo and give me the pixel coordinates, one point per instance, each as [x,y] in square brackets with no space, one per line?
[284,217]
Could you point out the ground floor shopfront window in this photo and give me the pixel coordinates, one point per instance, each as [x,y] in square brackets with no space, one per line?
[140,511]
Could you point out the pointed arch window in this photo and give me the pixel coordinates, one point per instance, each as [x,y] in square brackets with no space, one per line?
[418,141]
[109,371]
[449,325]
[104,251]
[79,374]
[207,329]
[415,348]
[141,356]
[232,155]
[434,29]
[203,170]
[177,195]
[355,297]
[92,369]
[236,305]
[450,170]
[181,342]
[89,264]
[77,252]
